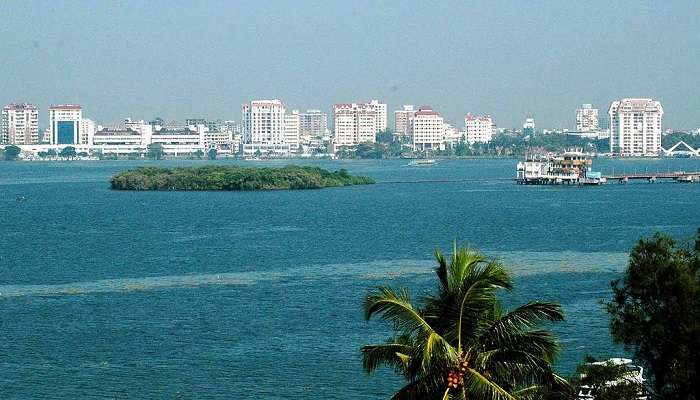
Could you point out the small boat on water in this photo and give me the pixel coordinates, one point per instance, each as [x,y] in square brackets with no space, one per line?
[422,162]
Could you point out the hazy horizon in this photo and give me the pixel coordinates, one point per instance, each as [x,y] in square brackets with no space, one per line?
[182,60]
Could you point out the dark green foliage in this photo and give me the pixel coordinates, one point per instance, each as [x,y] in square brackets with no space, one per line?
[212,153]
[668,141]
[68,152]
[12,152]
[155,151]
[656,313]
[220,177]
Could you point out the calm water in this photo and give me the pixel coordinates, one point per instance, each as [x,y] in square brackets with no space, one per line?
[258,295]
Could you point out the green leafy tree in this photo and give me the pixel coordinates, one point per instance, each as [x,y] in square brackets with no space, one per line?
[198,154]
[155,151]
[12,152]
[51,153]
[211,154]
[655,312]
[606,380]
[68,152]
[459,342]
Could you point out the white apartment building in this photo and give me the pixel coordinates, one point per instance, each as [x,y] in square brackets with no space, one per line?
[427,129]
[529,125]
[478,129]
[314,124]
[292,129]
[263,128]
[20,124]
[452,135]
[401,118]
[635,127]
[65,122]
[382,122]
[587,118]
[87,131]
[355,123]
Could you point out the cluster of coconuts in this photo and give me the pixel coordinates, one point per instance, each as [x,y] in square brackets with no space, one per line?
[456,376]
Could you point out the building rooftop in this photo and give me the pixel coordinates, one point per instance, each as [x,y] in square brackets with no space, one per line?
[65,107]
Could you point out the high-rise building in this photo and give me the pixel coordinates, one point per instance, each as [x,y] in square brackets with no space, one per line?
[382,122]
[427,129]
[263,128]
[587,118]
[292,129]
[635,127]
[478,129]
[314,124]
[401,118]
[20,124]
[529,125]
[64,122]
[263,122]
[87,131]
[355,123]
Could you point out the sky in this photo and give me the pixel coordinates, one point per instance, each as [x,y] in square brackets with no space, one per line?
[191,59]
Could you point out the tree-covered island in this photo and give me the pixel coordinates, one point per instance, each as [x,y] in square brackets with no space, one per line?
[231,177]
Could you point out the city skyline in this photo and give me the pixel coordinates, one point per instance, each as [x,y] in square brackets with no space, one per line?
[173,61]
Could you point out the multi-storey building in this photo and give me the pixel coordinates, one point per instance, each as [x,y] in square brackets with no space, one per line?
[529,125]
[427,129]
[292,129]
[20,124]
[587,118]
[355,123]
[478,129]
[314,124]
[64,123]
[87,131]
[263,128]
[635,127]
[382,122]
[401,118]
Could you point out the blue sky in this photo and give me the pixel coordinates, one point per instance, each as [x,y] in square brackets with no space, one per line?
[179,59]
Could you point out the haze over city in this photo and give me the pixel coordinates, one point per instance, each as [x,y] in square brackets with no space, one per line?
[180,59]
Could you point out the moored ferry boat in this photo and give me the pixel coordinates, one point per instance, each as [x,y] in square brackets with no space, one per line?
[571,167]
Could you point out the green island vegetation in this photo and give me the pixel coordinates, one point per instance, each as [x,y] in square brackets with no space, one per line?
[459,342]
[231,177]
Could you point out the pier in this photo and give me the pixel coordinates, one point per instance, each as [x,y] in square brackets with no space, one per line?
[652,177]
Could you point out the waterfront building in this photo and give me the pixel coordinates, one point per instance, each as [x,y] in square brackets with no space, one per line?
[401,118]
[314,124]
[65,121]
[20,124]
[355,123]
[635,127]
[87,130]
[382,122]
[478,129]
[292,129]
[427,129]
[263,129]
[179,141]
[120,141]
[452,135]
[587,118]
[529,126]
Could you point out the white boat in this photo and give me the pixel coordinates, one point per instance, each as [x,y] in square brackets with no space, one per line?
[422,162]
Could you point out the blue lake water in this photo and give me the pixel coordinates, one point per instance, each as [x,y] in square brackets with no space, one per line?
[224,295]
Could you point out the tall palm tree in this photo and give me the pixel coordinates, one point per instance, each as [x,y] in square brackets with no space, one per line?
[460,342]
